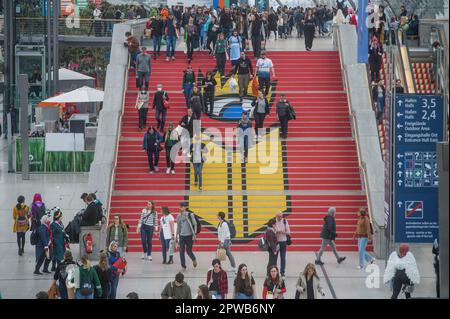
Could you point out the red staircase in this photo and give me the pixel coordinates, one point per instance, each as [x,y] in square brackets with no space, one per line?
[423,77]
[320,163]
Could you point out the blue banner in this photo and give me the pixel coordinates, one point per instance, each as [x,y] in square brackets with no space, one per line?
[418,126]
[363,32]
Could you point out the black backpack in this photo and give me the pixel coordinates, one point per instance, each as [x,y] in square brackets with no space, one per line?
[34,237]
[232,229]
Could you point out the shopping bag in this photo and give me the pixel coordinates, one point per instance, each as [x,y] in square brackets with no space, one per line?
[255,86]
[233,84]
[221,254]
[53,291]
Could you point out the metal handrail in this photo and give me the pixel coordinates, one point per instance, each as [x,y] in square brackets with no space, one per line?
[119,132]
[361,164]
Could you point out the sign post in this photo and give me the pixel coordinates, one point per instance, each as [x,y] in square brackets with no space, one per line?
[417,128]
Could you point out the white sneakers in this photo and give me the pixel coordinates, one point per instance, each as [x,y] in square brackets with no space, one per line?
[143,256]
[149,258]
[167,59]
[173,172]
[168,171]
[359,267]
[156,169]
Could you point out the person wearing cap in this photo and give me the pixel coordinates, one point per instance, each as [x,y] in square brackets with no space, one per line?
[59,238]
[328,236]
[264,66]
[177,289]
[43,246]
[244,130]
[186,230]
[402,272]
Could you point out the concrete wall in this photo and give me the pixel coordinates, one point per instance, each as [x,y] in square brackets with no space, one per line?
[101,171]
[365,130]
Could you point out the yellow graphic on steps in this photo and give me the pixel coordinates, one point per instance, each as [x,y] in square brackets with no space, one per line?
[249,194]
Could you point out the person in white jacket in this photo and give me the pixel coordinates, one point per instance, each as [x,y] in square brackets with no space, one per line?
[223,232]
[401,270]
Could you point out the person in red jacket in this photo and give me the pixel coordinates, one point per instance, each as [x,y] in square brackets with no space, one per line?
[217,280]
[274,287]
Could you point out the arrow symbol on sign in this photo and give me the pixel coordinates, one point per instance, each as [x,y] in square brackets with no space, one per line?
[399,164]
[399,114]
[399,156]
[399,137]
[399,182]
[400,102]
[399,126]
[400,173]
[399,204]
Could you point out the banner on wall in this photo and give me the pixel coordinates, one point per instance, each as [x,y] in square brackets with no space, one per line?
[42,161]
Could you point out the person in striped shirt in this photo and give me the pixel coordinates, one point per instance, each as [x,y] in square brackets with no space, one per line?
[148,223]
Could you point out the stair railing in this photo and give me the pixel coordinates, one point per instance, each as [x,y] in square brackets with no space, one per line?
[355,136]
[136,30]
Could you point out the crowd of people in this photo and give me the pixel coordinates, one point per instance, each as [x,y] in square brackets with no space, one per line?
[79,279]
[226,34]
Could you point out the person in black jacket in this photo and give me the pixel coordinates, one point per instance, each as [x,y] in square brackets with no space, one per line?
[272,243]
[151,144]
[226,22]
[157,27]
[328,236]
[256,34]
[61,273]
[261,109]
[158,104]
[104,274]
[244,70]
[309,27]
[196,103]
[283,115]
[213,32]
[209,86]
[187,122]
[90,215]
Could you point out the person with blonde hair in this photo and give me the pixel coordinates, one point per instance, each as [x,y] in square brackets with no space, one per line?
[308,284]
[86,280]
[104,275]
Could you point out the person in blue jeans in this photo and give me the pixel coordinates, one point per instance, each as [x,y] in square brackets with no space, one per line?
[114,256]
[282,231]
[198,151]
[364,234]
[186,230]
[188,84]
[244,284]
[148,222]
[167,233]
[171,37]
[86,280]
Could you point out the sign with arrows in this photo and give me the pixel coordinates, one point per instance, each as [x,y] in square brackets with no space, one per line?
[418,125]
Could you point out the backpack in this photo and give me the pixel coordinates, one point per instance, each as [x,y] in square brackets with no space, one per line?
[21,218]
[262,244]
[232,229]
[34,237]
[41,212]
[86,287]
[66,273]
[199,225]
